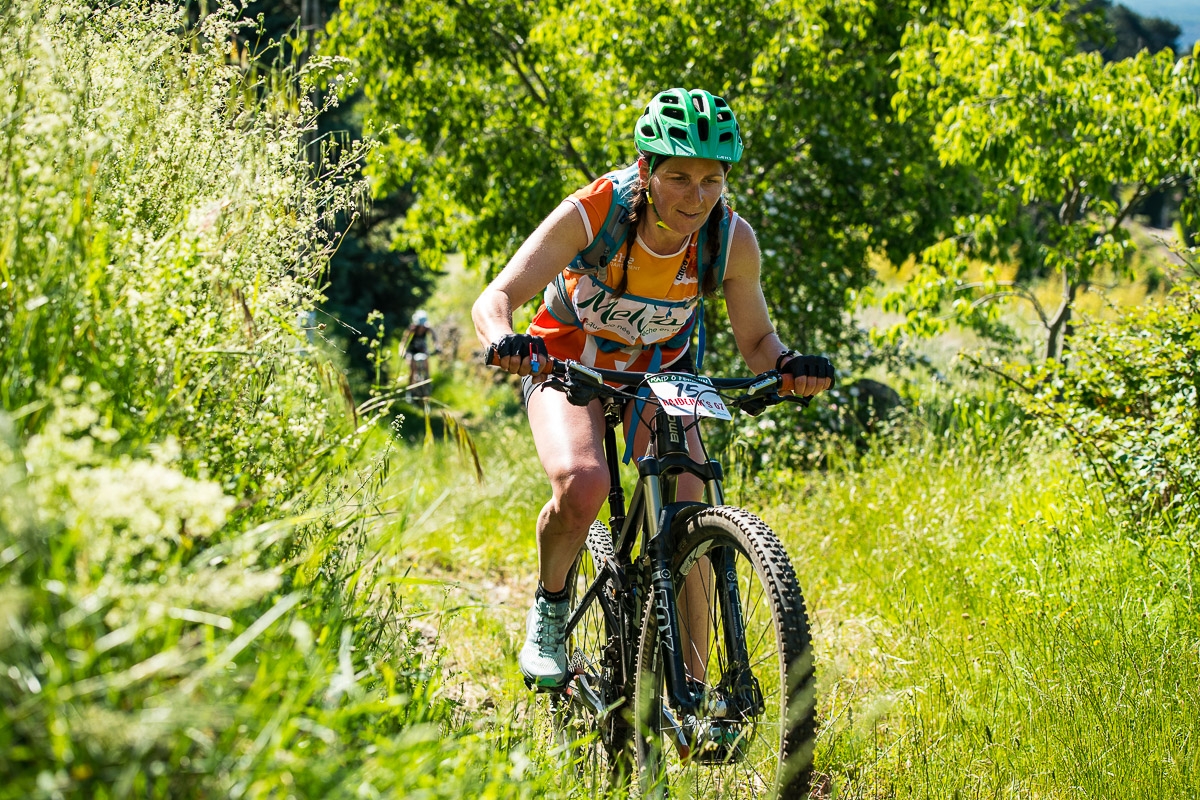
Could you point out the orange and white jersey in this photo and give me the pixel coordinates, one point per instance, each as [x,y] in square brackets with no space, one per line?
[582,318]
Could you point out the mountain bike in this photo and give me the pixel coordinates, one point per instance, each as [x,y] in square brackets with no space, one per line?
[689,649]
[419,385]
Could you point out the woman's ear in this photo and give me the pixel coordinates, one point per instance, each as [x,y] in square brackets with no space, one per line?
[643,170]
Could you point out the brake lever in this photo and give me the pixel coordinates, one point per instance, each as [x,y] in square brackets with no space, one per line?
[754,406]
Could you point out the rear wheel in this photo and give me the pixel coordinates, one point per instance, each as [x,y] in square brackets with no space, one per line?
[419,376]
[754,737]
[592,718]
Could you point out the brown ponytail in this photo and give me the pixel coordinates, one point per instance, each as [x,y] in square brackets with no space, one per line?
[712,247]
[635,216]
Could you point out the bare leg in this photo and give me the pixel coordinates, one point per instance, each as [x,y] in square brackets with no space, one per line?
[569,443]
[695,604]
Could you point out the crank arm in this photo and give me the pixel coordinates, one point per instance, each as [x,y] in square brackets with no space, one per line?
[585,694]
[580,690]
[671,728]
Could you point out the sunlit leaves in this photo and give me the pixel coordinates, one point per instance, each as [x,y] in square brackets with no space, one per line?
[1065,145]
[1129,400]
[535,98]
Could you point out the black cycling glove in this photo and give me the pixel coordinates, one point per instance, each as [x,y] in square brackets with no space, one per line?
[518,344]
[805,366]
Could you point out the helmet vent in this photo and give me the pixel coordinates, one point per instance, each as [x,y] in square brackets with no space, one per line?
[674,113]
[725,137]
[677,133]
[667,98]
[724,116]
[698,103]
[702,124]
[647,130]
[719,102]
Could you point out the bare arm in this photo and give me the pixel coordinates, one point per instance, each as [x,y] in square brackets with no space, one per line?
[752,329]
[547,251]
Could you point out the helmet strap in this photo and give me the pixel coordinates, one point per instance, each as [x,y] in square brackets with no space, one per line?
[646,161]
[650,203]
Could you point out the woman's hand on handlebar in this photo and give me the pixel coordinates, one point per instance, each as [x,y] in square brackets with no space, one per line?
[521,354]
[804,376]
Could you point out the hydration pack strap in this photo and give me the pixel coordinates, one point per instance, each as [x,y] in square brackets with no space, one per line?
[639,404]
[615,228]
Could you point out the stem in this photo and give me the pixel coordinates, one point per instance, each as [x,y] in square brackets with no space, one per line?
[1054,339]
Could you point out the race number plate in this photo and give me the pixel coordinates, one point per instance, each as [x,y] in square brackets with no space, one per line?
[683,395]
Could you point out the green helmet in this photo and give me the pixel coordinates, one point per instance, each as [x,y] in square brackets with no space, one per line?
[692,123]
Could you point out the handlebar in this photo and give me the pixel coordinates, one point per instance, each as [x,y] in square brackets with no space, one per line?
[583,383]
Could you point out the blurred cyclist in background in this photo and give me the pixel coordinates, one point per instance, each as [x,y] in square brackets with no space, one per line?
[418,338]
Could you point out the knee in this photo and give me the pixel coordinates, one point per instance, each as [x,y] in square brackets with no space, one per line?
[579,495]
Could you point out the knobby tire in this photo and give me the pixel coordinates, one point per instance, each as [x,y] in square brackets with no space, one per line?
[771,754]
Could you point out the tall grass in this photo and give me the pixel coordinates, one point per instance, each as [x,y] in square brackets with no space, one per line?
[192,602]
[987,624]
[986,629]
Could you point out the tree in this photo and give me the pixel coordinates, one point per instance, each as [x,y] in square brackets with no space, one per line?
[1128,32]
[1042,126]
[493,112]
[366,273]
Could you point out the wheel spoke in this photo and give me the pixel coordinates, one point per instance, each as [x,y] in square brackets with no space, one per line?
[730,760]
[595,736]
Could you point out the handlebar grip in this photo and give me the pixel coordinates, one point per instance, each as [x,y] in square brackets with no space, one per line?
[491,358]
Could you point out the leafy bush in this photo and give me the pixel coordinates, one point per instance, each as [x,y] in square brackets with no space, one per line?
[1129,400]
[190,599]
[863,414]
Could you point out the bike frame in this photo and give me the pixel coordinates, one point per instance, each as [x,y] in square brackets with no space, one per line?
[653,514]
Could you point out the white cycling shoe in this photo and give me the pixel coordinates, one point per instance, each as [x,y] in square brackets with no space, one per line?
[543,659]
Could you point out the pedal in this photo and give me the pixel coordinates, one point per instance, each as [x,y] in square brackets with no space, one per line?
[543,686]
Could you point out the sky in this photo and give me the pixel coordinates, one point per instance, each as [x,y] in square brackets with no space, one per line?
[1184,13]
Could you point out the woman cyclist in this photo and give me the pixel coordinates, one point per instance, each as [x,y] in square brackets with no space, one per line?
[624,264]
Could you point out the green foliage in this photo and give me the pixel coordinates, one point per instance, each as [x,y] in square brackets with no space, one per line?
[986,630]
[492,113]
[1053,136]
[365,273]
[194,600]
[1129,401]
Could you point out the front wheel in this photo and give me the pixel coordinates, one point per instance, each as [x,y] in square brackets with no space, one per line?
[748,652]
[591,717]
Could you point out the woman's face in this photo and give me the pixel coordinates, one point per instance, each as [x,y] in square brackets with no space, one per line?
[685,190]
